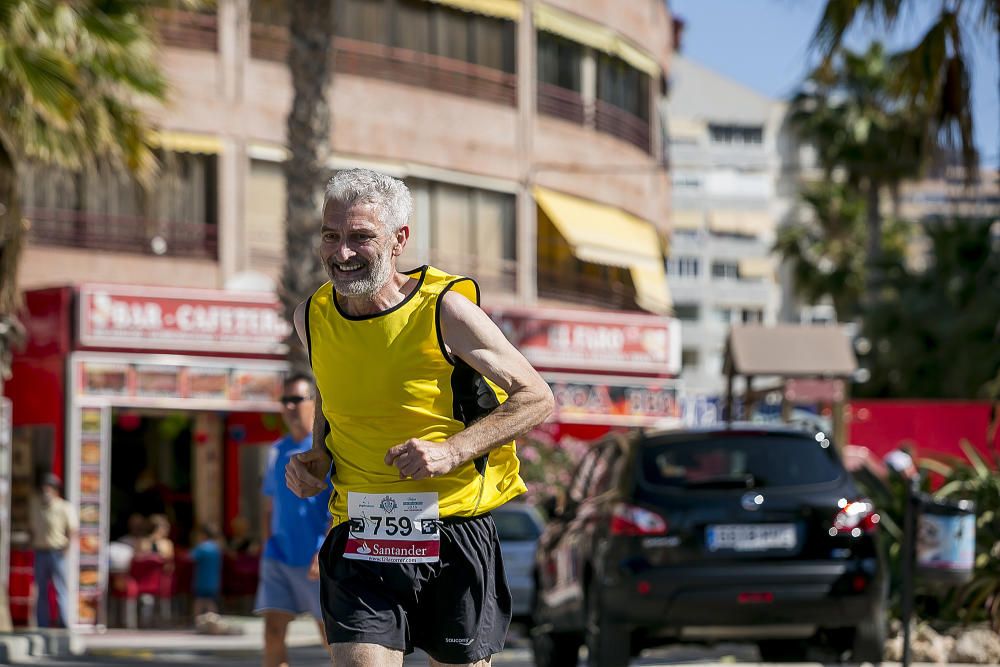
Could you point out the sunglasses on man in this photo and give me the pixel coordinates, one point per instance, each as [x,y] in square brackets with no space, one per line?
[293,399]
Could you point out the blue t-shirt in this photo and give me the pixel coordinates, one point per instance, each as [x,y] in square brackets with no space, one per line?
[207,558]
[298,525]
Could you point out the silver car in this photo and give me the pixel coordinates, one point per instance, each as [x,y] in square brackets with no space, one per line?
[518,526]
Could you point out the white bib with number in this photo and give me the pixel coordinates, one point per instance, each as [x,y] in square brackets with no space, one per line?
[393,527]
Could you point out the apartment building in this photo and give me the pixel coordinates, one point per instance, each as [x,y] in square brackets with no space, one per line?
[726,145]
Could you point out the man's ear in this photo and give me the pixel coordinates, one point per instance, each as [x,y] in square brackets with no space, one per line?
[402,236]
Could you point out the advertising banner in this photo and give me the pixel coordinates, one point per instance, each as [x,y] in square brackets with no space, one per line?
[178,319]
[594,341]
[614,401]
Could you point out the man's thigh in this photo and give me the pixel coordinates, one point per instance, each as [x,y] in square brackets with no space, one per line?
[349,654]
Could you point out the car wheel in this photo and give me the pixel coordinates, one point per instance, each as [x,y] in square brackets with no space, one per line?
[555,649]
[608,643]
[869,641]
[782,650]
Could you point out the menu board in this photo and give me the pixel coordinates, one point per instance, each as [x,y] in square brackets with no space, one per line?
[179,383]
[105,379]
[92,471]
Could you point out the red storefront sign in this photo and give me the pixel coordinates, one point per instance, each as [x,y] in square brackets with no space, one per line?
[175,319]
[614,401]
[594,341]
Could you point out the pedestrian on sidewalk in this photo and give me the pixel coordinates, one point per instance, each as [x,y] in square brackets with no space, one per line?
[207,556]
[296,528]
[420,399]
[53,527]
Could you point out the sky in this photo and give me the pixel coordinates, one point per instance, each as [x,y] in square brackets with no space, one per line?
[764,44]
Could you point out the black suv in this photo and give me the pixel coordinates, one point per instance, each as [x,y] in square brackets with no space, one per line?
[741,533]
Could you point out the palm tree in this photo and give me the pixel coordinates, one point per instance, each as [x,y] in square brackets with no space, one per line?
[826,254]
[863,133]
[72,76]
[934,73]
[310,62]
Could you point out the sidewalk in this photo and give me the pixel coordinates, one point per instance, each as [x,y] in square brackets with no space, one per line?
[147,643]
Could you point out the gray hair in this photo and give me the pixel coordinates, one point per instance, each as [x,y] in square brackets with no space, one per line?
[390,196]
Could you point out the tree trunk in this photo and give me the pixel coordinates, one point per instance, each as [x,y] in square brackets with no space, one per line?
[873,258]
[310,63]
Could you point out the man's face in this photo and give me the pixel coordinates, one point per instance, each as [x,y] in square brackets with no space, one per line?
[297,405]
[358,252]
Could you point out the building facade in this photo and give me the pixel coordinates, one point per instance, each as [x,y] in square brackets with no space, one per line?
[729,195]
[529,135]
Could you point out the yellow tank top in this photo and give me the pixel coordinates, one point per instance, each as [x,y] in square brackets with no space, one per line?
[385,378]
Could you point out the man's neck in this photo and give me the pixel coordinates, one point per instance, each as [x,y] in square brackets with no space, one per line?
[392,294]
[298,434]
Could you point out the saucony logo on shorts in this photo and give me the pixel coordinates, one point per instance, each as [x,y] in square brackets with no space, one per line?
[457,640]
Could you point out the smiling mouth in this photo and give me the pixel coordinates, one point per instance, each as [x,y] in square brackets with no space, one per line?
[349,269]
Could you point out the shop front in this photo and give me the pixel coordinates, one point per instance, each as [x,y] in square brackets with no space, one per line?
[607,370]
[146,401]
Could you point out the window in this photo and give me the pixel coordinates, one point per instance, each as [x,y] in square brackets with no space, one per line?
[605,470]
[364,20]
[753,315]
[428,27]
[708,463]
[559,61]
[689,359]
[470,230]
[622,85]
[581,479]
[103,207]
[682,267]
[736,134]
[687,312]
[726,270]
[722,314]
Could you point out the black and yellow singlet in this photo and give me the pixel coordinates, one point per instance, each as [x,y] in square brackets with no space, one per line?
[386,378]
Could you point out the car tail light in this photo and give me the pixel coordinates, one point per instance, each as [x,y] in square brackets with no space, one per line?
[755,598]
[855,518]
[632,520]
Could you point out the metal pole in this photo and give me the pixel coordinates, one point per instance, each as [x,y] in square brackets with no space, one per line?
[909,562]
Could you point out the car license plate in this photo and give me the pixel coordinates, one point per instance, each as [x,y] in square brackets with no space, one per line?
[750,537]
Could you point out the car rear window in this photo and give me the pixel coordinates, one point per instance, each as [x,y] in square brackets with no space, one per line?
[739,462]
[515,526]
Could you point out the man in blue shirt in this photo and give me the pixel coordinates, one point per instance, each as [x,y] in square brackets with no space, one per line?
[296,528]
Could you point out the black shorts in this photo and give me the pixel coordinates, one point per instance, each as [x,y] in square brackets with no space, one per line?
[457,609]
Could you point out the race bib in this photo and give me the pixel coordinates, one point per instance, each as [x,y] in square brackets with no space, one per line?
[393,527]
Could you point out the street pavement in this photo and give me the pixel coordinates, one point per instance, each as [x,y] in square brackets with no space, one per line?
[143,648]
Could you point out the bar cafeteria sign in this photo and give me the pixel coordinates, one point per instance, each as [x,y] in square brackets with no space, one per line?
[594,341]
[190,320]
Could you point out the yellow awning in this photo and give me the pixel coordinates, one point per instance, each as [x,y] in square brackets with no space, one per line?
[603,234]
[186,142]
[686,219]
[757,267]
[739,222]
[596,36]
[502,9]
[687,128]
[651,290]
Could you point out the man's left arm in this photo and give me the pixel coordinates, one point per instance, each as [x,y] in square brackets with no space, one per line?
[470,335]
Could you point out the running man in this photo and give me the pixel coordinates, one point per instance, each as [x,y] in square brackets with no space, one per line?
[420,398]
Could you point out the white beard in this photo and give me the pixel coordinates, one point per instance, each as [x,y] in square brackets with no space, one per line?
[379,273]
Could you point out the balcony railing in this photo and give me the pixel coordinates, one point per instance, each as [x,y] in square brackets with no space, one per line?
[186,29]
[77,229]
[560,102]
[426,70]
[622,124]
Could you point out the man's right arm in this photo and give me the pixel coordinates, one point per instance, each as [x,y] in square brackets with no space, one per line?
[305,473]
[319,421]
